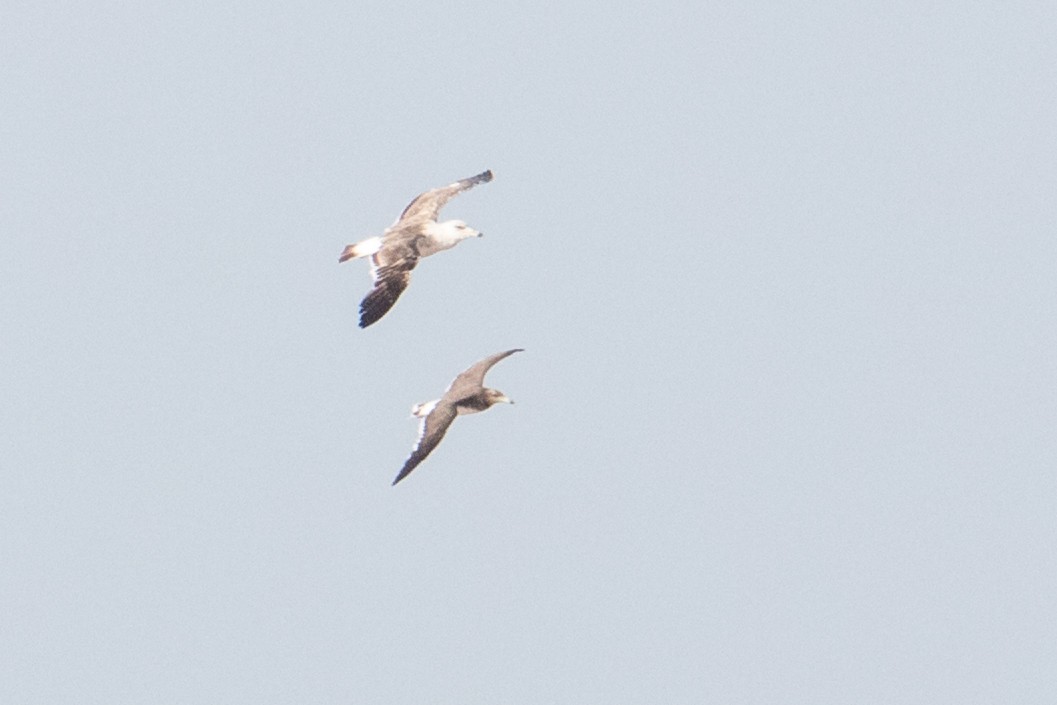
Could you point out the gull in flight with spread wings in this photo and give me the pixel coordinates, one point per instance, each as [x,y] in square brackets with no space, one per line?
[414,235]
[465,395]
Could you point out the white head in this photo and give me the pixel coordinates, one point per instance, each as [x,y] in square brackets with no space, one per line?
[455,230]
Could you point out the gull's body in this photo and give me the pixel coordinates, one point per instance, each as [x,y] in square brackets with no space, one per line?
[465,395]
[414,235]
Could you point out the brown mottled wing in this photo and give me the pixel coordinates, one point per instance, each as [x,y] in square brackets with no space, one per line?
[472,379]
[432,430]
[391,271]
[427,206]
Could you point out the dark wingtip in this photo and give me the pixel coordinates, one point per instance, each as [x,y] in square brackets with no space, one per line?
[372,311]
[485,176]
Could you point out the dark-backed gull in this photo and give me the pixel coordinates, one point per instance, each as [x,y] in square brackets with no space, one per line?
[465,395]
[415,234]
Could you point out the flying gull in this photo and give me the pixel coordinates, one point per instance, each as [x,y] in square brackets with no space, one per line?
[415,234]
[465,395]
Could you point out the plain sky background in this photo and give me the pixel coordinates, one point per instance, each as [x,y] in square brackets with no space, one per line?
[786,423]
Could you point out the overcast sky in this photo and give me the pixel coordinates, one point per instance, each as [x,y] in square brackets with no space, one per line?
[786,422]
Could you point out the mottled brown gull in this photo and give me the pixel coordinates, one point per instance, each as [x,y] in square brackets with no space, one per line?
[465,395]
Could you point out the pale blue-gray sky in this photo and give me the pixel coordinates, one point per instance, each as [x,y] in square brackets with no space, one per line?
[785,422]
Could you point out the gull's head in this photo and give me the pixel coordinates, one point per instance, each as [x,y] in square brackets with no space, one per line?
[458,230]
[494,396]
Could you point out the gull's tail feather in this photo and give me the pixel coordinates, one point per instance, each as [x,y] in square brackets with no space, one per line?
[363,248]
[422,410]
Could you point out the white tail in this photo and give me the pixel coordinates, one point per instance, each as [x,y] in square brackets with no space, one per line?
[361,249]
[424,408]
